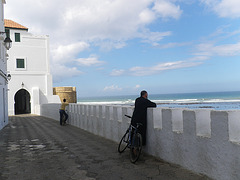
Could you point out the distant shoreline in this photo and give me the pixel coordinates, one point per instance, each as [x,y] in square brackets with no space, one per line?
[189,105]
[214,100]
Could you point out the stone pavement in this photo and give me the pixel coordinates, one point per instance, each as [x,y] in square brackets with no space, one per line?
[38,148]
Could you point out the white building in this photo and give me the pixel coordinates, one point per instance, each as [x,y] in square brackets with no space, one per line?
[28,64]
[3,72]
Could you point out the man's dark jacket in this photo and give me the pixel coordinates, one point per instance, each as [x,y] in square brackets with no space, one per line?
[140,114]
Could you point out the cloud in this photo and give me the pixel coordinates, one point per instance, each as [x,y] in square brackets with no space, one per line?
[209,49]
[172,45]
[81,26]
[144,71]
[66,53]
[217,44]
[117,72]
[167,9]
[112,88]
[147,16]
[224,8]
[137,86]
[153,37]
[90,61]
[109,45]
[90,21]
[147,71]
[65,56]
[63,72]
[199,58]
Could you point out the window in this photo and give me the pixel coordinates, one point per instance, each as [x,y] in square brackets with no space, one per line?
[17,37]
[21,63]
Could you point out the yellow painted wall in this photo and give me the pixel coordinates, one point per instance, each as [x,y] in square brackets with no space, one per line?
[68,93]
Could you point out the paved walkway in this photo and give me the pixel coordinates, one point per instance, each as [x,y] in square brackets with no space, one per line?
[38,148]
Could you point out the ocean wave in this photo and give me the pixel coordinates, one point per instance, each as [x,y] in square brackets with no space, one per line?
[108,102]
[163,101]
[187,100]
[221,100]
[217,100]
[171,101]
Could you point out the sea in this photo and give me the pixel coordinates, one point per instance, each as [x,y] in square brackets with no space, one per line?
[208,100]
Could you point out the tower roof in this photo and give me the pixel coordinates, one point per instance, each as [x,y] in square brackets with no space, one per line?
[13,25]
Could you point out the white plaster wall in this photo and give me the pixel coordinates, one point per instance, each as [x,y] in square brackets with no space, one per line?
[36,76]
[3,104]
[2,15]
[3,73]
[50,110]
[33,48]
[203,140]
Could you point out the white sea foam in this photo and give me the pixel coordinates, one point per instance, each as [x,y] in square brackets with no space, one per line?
[108,102]
[218,100]
[163,101]
[171,101]
[221,100]
[186,100]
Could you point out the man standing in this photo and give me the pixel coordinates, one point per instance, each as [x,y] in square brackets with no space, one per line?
[140,113]
[63,113]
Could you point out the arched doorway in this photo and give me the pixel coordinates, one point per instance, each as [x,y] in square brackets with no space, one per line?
[22,102]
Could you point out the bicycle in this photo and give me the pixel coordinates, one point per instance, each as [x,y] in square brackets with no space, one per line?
[131,139]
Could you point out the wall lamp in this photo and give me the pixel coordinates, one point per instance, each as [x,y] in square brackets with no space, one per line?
[7,41]
[9,77]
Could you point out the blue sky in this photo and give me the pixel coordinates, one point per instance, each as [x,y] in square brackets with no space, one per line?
[119,47]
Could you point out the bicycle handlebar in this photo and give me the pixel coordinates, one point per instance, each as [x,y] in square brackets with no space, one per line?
[128,116]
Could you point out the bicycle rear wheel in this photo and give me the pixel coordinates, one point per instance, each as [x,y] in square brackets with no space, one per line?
[124,142]
[136,147]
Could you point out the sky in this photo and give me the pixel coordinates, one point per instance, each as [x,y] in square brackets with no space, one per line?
[120,47]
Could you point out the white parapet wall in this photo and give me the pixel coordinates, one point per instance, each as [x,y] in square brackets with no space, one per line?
[50,110]
[202,140]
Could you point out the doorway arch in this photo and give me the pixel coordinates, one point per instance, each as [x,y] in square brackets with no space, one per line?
[22,103]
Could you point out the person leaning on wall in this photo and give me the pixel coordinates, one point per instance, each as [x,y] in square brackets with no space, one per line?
[63,113]
[140,113]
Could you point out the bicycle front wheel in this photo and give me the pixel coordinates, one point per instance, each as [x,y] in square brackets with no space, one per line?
[136,148]
[124,142]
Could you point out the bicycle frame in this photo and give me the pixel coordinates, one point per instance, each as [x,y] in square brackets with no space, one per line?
[135,131]
[131,139]
[131,127]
